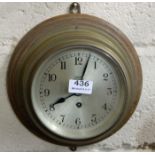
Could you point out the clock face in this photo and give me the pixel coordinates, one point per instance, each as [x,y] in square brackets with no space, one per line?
[78,115]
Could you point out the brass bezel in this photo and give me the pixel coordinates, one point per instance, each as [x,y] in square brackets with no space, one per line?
[67,31]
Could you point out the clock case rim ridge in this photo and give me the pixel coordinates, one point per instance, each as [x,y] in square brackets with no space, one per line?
[75,18]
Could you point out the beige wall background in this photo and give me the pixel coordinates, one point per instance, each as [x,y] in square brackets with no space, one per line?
[136,20]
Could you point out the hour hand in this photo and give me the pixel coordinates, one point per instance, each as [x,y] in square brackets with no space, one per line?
[61,100]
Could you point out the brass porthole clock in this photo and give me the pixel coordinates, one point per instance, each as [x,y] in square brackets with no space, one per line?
[74,79]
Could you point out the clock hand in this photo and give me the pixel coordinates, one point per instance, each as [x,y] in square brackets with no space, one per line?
[85,67]
[61,100]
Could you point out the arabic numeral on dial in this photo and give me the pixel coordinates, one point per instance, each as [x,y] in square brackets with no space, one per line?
[77,122]
[105,106]
[105,76]
[93,118]
[46,92]
[51,107]
[52,77]
[62,118]
[63,65]
[78,61]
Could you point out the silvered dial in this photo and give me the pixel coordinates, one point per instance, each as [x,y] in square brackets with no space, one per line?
[76,115]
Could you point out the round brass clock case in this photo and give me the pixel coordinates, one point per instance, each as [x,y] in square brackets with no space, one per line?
[63,38]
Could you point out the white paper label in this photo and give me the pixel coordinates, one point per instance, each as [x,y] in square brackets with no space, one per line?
[80,86]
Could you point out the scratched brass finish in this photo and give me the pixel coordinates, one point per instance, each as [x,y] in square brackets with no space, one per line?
[56,34]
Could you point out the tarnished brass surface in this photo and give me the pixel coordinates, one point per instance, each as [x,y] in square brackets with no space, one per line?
[61,32]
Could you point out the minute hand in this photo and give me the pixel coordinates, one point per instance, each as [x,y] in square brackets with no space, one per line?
[85,67]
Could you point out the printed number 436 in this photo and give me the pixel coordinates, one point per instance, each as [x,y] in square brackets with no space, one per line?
[81,83]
